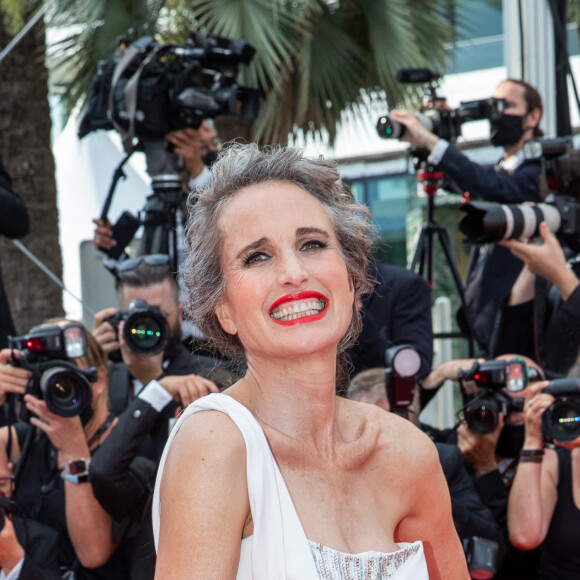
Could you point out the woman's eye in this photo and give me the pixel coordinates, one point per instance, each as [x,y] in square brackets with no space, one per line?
[255,258]
[313,245]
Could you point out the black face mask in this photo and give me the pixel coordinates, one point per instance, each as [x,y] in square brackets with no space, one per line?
[511,441]
[209,158]
[507,130]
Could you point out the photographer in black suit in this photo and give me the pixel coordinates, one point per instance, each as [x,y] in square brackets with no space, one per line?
[28,549]
[493,270]
[14,223]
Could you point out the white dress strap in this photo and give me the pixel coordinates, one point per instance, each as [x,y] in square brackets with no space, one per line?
[278,548]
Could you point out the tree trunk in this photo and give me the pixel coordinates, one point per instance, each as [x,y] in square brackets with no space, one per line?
[25,146]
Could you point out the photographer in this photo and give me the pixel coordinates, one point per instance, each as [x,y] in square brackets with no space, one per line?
[198,148]
[543,506]
[541,317]
[14,223]
[492,457]
[28,549]
[492,270]
[149,278]
[52,453]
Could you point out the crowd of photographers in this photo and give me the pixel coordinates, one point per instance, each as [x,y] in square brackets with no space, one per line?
[86,412]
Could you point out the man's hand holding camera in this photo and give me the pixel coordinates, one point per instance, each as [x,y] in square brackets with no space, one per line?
[104,332]
[479,450]
[420,136]
[13,379]
[546,260]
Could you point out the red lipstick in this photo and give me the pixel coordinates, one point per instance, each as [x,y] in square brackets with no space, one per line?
[300,296]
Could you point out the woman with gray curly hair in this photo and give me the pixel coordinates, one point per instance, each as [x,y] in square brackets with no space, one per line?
[279,478]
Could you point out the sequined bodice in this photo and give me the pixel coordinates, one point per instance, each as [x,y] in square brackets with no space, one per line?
[334,565]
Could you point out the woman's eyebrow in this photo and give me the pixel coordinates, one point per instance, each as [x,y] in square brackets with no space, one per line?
[312,230]
[253,246]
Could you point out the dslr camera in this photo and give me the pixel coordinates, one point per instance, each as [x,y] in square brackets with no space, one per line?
[145,330]
[488,222]
[561,420]
[441,121]
[46,352]
[496,377]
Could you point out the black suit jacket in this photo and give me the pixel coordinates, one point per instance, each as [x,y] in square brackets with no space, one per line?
[40,544]
[398,311]
[492,269]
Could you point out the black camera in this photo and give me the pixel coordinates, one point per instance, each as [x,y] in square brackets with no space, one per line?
[445,123]
[441,121]
[481,413]
[149,89]
[488,222]
[561,420]
[46,352]
[145,330]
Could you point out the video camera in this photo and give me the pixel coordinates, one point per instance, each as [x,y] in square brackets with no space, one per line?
[441,121]
[561,420]
[487,222]
[495,376]
[149,89]
[145,330]
[46,352]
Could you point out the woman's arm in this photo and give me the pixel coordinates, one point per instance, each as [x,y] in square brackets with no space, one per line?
[534,493]
[429,517]
[204,501]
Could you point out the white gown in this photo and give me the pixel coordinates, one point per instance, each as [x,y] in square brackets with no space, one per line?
[279,549]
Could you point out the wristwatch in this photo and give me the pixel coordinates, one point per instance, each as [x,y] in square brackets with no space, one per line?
[76,471]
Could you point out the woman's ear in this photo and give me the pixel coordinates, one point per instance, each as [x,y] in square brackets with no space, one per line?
[225,320]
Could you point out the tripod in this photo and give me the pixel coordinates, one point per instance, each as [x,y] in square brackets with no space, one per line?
[423,254]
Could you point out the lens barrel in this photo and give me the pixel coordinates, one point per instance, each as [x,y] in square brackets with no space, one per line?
[482,415]
[561,420]
[145,331]
[67,393]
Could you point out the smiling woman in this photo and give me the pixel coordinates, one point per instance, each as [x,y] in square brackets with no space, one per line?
[261,483]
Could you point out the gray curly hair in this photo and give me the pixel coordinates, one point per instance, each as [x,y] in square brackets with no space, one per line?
[240,166]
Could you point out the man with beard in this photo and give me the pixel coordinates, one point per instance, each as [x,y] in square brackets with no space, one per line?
[514,179]
[149,278]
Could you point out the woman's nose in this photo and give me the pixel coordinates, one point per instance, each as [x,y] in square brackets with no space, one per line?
[292,270]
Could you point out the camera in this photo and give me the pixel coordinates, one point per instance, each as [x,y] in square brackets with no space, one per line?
[46,352]
[496,376]
[145,330]
[487,222]
[445,123]
[561,420]
[441,121]
[149,89]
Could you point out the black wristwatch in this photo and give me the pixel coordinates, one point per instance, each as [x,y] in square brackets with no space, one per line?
[76,471]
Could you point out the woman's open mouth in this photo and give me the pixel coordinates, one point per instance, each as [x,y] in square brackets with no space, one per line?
[299,307]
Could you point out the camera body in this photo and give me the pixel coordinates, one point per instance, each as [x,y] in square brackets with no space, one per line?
[145,329]
[46,352]
[496,376]
[154,88]
[445,123]
[561,420]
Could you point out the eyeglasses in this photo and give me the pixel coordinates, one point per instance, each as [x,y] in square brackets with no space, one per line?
[6,484]
[126,266]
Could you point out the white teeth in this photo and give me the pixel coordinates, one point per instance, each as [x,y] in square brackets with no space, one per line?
[299,310]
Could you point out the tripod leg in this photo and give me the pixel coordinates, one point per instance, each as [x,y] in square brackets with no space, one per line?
[419,253]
